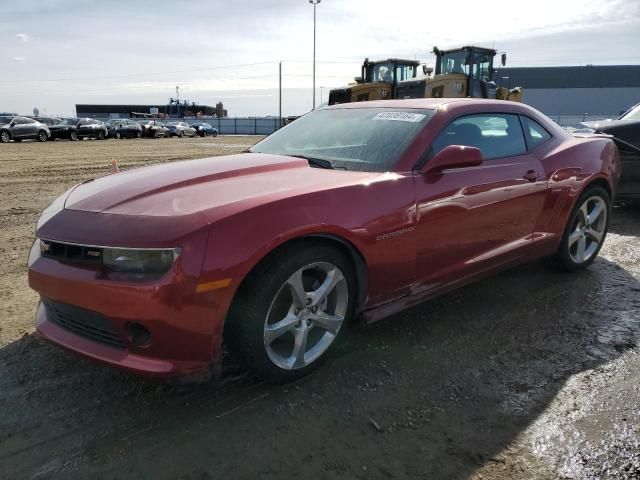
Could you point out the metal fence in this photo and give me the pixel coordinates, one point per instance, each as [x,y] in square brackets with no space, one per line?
[242,125]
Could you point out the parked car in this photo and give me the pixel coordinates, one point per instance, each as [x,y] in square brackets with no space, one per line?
[204,129]
[153,128]
[78,128]
[22,128]
[352,212]
[626,133]
[181,129]
[123,128]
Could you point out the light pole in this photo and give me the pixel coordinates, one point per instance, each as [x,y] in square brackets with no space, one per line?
[314,3]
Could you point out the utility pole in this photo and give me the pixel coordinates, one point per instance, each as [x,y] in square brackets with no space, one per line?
[280,94]
[314,3]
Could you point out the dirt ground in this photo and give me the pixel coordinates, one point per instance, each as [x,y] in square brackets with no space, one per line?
[532,374]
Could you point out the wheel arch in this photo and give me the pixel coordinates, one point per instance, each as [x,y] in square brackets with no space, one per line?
[355,256]
[600,182]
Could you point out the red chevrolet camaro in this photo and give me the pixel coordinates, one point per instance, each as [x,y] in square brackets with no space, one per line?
[354,211]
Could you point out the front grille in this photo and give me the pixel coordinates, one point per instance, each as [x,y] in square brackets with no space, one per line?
[84,323]
[70,252]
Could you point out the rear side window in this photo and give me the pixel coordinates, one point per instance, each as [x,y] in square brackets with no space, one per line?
[536,134]
[497,135]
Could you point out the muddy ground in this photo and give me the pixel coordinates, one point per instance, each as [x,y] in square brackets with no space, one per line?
[532,374]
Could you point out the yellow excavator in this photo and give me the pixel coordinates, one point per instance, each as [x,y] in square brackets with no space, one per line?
[378,81]
[462,72]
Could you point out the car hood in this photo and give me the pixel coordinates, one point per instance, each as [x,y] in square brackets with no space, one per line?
[214,187]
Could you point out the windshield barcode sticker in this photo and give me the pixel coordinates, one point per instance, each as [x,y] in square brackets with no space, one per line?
[399,116]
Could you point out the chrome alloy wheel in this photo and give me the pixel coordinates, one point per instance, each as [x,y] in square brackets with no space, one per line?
[306,315]
[588,229]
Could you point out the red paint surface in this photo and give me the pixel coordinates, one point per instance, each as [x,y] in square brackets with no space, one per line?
[419,234]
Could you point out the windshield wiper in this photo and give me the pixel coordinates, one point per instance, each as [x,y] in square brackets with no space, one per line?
[316,162]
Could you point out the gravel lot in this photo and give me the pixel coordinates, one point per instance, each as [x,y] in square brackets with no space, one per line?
[532,374]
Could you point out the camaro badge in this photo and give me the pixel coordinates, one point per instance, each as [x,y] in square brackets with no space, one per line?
[394,234]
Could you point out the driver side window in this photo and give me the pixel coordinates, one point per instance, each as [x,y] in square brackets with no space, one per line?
[497,135]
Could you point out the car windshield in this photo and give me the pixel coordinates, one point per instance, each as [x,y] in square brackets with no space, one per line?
[172,124]
[361,139]
[6,119]
[68,121]
[633,114]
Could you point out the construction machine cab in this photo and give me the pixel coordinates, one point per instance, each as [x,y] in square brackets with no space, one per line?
[378,81]
[463,72]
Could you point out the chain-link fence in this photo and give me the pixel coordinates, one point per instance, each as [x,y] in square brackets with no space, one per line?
[241,126]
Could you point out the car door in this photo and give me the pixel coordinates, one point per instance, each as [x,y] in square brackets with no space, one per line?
[18,128]
[474,219]
[83,128]
[32,128]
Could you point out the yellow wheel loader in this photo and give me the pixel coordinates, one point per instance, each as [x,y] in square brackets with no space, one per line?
[378,81]
[459,73]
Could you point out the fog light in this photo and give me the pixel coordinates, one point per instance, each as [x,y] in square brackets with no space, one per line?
[138,335]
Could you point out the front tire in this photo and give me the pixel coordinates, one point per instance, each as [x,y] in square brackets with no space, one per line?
[181,134]
[290,311]
[586,230]
[5,137]
[101,135]
[73,136]
[42,136]
[118,135]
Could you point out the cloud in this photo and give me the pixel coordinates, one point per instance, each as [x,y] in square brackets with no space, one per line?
[22,37]
[18,59]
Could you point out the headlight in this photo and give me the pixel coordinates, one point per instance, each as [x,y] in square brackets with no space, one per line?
[55,207]
[140,261]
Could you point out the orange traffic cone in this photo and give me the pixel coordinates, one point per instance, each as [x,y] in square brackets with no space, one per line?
[114,166]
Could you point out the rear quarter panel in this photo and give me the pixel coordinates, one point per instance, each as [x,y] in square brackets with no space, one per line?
[570,165]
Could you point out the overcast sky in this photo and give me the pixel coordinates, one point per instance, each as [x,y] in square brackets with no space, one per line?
[56,53]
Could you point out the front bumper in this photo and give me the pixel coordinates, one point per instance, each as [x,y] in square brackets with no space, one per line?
[185,326]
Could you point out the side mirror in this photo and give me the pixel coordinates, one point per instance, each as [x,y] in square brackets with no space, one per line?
[453,156]
[503,59]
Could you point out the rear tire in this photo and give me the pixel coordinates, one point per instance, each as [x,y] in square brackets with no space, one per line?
[586,230]
[42,136]
[138,134]
[101,135]
[181,134]
[5,137]
[311,318]
[215,134]
[73,136]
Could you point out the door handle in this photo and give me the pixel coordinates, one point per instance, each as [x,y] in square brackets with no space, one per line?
[531,175]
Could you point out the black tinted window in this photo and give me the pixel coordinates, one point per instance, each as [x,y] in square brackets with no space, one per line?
[495,134]
[536,133]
